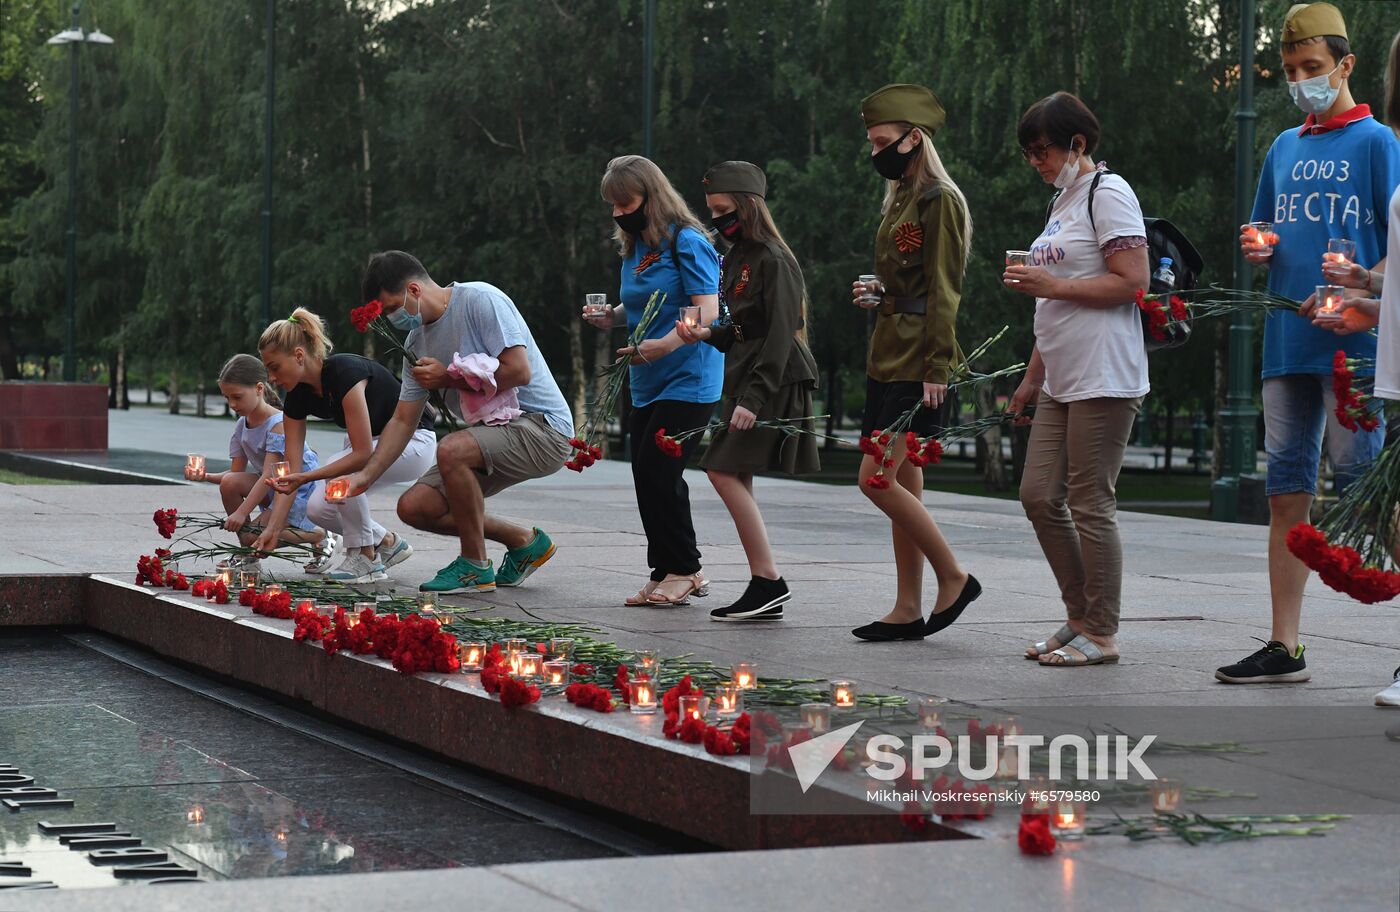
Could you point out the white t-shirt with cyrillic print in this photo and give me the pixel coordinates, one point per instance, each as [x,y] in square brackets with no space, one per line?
[1388,345]
[1089,352]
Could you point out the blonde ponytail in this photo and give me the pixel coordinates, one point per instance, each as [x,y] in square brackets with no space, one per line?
[303,329]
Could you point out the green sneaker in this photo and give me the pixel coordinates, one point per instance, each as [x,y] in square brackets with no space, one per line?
[461,576]
[521,562]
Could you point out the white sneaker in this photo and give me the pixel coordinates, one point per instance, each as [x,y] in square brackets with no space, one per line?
[1391,695]
[400,552]
[356,568]
[325,554]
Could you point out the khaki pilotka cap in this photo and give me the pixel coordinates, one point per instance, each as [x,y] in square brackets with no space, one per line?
[1312,20]
[910,104]
[736,177]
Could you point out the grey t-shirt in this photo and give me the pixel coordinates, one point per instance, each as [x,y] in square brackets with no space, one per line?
[481,318]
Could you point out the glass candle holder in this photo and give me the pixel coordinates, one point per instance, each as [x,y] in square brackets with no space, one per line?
[561,647]
[1329,300]
[274,589]
[843,694]
[337,490]
[513,645]
[1166,796]
[514,661]
[1340,250]
[308,604]
[1018,257]
[1067,819]
[247,579]
[358,607]
[690,316]
[646,664]
[1010,725]
[728,700]
[693,706]
[195,463]
[1007,763]
[195,815]
[931,711]
[471,655]
[281,469]
[595,304]
[643,697]
[1262,237]
[224,572]
[816,716]
[870,295]
[744,675]
[556,671]
[530,663]
[796,733]
[427,602]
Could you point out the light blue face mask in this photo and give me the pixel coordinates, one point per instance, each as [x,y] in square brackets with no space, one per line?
[405,321]
[1316,95]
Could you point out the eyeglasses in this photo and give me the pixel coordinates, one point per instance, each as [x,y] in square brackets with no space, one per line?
[1036,153]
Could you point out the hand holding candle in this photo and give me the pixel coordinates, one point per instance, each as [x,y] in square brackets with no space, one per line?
[337,490]
[1328,304]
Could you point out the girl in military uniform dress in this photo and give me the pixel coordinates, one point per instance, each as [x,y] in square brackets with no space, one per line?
[920,253]
[769,373]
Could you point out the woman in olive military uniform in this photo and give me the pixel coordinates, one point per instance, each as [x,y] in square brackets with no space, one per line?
[768,373]
[920,252]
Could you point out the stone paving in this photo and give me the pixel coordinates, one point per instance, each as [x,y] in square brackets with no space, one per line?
[1194,594]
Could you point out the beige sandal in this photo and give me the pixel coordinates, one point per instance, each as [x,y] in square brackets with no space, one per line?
[1062,637]
[692,585]
[640,599]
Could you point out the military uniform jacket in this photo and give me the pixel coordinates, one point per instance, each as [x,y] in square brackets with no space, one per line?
[919,256]
[763,288]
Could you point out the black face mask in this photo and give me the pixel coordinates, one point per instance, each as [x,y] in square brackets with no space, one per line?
[635,221]
[727,225]
[891,162]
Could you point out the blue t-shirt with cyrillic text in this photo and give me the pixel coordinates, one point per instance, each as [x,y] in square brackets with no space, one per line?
[691,373]
[1314,187]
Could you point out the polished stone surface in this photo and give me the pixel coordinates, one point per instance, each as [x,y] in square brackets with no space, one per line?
[224,793]
[1194,594]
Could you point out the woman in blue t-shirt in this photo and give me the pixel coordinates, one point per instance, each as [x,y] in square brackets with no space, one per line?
[674,386]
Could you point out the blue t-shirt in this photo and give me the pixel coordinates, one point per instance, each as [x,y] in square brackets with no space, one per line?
[1315,187]
[691,373]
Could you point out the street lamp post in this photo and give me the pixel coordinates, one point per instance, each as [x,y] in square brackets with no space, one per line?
[74,36]
[267,164]
[1237,418]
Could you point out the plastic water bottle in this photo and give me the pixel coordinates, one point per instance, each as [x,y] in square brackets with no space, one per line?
[1164,278]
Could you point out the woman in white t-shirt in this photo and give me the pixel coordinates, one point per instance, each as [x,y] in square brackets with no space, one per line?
[1087,374]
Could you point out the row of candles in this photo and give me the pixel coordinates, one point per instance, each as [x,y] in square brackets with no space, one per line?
[337,489]
[1261,239]
[596,304]
[815,718]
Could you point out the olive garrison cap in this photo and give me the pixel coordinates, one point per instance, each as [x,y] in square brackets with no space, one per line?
[905,104]
[1313,20]
[736,177]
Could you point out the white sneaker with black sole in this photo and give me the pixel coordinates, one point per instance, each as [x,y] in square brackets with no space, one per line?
[763,600]
[356,568]
[1391,695]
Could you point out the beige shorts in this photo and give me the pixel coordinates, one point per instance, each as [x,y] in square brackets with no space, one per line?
[525,448]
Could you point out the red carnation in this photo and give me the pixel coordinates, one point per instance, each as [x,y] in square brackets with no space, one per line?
[668,445]
[878,481]
[870,448]
[220,593]
[165,522]
[362,317]
[581,670]
[1034,836]
[914,817]
[517,693]
[248,597]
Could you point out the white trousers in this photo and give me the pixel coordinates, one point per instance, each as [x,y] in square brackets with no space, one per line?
[352,518]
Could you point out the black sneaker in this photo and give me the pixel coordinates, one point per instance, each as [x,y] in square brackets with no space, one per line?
[1270,665]
[762,600]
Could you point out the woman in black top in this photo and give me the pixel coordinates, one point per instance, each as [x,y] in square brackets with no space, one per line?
[359,395]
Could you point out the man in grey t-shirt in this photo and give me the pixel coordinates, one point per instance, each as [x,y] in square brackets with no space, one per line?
[484,459]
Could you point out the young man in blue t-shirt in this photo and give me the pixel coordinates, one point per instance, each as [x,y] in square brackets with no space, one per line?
[1330,179]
